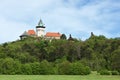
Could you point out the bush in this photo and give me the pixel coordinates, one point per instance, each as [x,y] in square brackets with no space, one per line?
[76,68]
[46,68]
[115,72]
[87,70]
[105,72]
[79,69]
[26,69]
[64,68]
[35,68]
[9,66]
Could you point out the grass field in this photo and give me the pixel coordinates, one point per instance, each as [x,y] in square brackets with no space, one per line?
[58,77]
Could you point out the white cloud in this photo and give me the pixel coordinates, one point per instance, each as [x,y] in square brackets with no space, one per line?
[11,31]
[77,17]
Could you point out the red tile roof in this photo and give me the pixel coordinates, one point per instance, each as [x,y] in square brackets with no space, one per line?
[31,32]
[52,34]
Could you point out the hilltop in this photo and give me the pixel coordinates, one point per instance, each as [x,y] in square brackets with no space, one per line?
[28,56]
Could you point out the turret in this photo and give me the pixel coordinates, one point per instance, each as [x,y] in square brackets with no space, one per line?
[40,29]
[70,38]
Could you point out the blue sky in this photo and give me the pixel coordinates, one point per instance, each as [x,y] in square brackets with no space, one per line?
[76,17]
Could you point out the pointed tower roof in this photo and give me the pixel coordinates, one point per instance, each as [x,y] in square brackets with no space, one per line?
[40,24]
[70,38]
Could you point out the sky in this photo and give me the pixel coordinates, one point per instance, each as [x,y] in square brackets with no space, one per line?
[76,17]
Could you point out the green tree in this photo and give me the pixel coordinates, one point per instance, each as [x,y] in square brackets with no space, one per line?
[63,36]
[35,68]
[26,69]
[115,59]
[46,68]
[64,68]
[9,66]
[78,69]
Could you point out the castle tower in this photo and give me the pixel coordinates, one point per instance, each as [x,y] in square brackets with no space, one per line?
[40,29]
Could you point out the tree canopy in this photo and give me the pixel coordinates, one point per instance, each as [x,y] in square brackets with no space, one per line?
[39,56]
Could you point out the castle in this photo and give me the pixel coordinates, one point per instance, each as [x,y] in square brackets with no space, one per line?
[40,32]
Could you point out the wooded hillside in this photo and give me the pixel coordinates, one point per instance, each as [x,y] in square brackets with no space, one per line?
[39,56]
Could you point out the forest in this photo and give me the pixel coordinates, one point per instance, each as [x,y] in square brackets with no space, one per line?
[34,56]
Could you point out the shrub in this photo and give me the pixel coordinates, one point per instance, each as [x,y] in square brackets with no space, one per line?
[9,66]
[105,72]
[35,68]
[46,68]
[87,70]
[115,72]
[26,69]
[64,68]
[79,69]
[76,68]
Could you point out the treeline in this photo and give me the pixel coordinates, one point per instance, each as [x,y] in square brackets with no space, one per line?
[40,56]
[11,67]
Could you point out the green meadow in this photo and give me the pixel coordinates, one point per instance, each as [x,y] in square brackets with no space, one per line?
[59,77]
